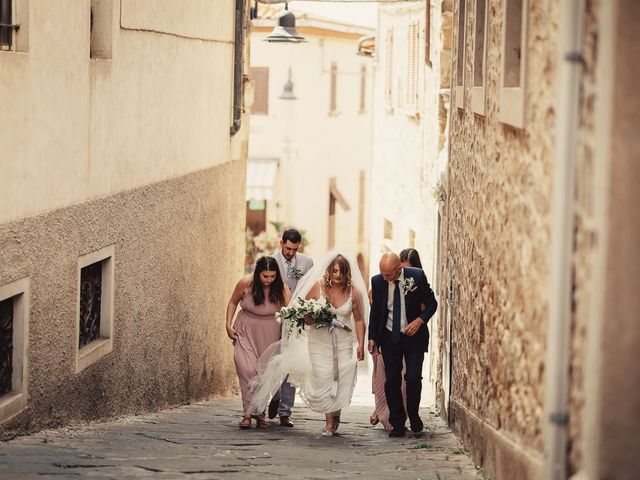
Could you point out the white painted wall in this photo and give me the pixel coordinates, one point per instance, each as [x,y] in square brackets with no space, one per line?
[312,146]
[77,128]
[405,146]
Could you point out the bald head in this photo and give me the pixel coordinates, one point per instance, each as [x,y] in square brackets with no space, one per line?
[390,266]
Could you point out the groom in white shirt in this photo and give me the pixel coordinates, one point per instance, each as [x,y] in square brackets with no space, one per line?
[293,266]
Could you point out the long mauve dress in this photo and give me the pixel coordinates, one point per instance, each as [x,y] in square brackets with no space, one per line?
[256,328]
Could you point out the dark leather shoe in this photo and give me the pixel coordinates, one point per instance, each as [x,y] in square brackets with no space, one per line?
[272,411]
[286,422]
[397,433]
[416,425]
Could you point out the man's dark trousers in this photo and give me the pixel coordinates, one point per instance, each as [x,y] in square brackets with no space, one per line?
[392,354]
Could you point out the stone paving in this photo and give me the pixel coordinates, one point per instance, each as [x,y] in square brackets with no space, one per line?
[202,441]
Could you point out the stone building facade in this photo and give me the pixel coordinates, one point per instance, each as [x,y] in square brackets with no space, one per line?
[410,147]
[121,207]
[504,229]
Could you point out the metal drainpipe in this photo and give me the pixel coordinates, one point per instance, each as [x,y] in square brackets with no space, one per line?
[238,67]
[559,328]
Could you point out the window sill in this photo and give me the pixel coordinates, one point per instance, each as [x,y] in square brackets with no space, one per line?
[460,97]
[512,106]
[478,100]
[93,352]
[11,404]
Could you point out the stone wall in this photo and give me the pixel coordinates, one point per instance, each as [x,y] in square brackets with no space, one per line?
[497,250]
[178,251]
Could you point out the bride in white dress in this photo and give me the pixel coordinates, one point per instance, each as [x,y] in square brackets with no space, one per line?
[320,361]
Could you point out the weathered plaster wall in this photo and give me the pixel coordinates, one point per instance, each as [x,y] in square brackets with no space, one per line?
[82,128]
[178,251]
[497,248]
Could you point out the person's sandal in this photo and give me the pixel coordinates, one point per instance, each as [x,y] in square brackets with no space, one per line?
[336,423]
[245,424]
[261,423]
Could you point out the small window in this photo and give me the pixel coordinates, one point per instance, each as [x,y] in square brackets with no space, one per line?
[388,229]
[427,33]
[260,78]
[95,307]
[333,92]
[14,25]
[412,69]
[479,56]
[363,89]
[14,334]
[101,27]
[6,24]
[460,57]
[514,53]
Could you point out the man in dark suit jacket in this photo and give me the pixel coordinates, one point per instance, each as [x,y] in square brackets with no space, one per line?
[402,304]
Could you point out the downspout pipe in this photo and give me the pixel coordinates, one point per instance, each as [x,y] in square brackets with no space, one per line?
[238,67]
[562,226]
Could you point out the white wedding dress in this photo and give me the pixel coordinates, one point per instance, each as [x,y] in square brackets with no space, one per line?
[331,385]
[326,382]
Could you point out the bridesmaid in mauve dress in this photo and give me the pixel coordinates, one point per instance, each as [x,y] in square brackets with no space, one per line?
[260,296]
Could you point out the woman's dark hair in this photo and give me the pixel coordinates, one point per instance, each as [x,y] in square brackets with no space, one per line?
[411,255]
[276,290]
[292,235]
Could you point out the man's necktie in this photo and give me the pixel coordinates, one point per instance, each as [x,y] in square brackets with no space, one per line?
[395,332]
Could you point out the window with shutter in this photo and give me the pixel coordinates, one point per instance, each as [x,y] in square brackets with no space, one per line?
[363,88]
[260,78]
[412,70]
[389,70]
[333,93]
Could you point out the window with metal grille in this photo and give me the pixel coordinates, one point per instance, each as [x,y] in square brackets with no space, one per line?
[6,24]
[6,345]
[14,331]
[90,303]
[260,77]
[95,306]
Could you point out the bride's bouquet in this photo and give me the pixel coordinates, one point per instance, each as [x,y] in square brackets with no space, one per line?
[296,313]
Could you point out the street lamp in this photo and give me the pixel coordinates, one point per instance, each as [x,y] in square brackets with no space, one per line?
[285,31]
[287,91]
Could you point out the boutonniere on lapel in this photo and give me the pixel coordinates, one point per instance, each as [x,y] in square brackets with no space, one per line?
[296,273]
[407,285]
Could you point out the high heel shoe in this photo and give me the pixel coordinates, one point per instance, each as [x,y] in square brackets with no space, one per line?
[326,432]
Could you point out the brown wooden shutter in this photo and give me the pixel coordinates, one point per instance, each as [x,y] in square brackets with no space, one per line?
[260,77]
[389,69]
[334,80]
[363,88]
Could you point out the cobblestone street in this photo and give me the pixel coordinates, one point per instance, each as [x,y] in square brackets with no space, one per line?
[202,441]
